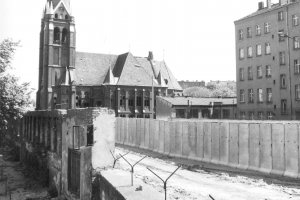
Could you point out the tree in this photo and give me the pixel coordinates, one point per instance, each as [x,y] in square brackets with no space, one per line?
[213,89]
[197,92]
[14,97]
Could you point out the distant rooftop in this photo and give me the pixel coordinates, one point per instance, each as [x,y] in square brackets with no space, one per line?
[183,101]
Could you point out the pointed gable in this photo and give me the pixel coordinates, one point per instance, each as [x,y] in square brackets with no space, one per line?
[134,74]
[169,78]
[56,3]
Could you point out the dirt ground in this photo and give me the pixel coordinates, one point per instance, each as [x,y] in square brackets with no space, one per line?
[19,185]
[194,181]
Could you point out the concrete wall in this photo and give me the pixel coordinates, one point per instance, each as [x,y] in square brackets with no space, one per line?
[268,147]
[104,190]
[47,137]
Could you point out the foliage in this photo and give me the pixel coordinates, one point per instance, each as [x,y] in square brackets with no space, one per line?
[213,89]
[14,97]
[197,92]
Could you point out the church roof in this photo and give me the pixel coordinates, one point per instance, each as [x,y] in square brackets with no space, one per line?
[93,69]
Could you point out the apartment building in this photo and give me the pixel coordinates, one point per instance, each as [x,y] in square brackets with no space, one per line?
[268,62]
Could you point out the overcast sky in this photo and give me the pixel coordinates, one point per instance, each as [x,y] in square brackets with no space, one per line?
[196,38]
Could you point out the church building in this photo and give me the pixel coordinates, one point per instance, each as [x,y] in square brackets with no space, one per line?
[69,79]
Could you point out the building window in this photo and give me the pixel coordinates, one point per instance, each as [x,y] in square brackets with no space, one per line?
[267,27]
[249,52]
[296,43]
[258,30]
[194,113]
[260,115]
[296,66]
[267,48]
[260,98]
[283,106]
[269,95]
[281,37]
[130,102]
[259,72]
[283,81]
[295,20]
[241,35]
[138,101]
[90,135]
[280,16]
[56,35]
[64,36]
[147,102]
[249,32]
[241,74]
[251,115]
[242,96]
[242,115]
[122,100]
[268,71]
[250,96]
[282,58]
[258,50]
[250,73]
[270,115]
[241,52]
[180,113]
[297,91]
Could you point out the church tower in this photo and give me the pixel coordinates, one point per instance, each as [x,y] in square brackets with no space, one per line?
[57,57]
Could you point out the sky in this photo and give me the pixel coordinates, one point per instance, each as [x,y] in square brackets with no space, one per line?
[196,38]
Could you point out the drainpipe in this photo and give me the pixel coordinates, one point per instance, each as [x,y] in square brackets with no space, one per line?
[289,64]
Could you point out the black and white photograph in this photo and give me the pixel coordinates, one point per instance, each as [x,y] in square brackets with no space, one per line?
[149,100]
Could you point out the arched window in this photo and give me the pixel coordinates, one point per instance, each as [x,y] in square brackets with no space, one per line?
[56,16]
[64,35]
[56,35]
[66,17]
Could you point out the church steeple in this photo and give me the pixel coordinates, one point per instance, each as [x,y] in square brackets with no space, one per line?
[57,51]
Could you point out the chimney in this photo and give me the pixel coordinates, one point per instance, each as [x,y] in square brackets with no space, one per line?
[269,4]
[260,5]
[150,56]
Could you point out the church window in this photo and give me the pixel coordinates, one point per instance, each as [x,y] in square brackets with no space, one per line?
[56,16]
[138,101]
[64,35]
[66,17]
[56,35]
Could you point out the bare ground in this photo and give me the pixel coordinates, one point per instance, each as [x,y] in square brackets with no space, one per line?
[21,183]
[197,180]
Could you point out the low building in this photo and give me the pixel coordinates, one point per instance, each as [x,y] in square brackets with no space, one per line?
[196,108]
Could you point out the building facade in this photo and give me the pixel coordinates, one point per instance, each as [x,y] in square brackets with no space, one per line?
[195,108]
[69,79]
[268,62]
